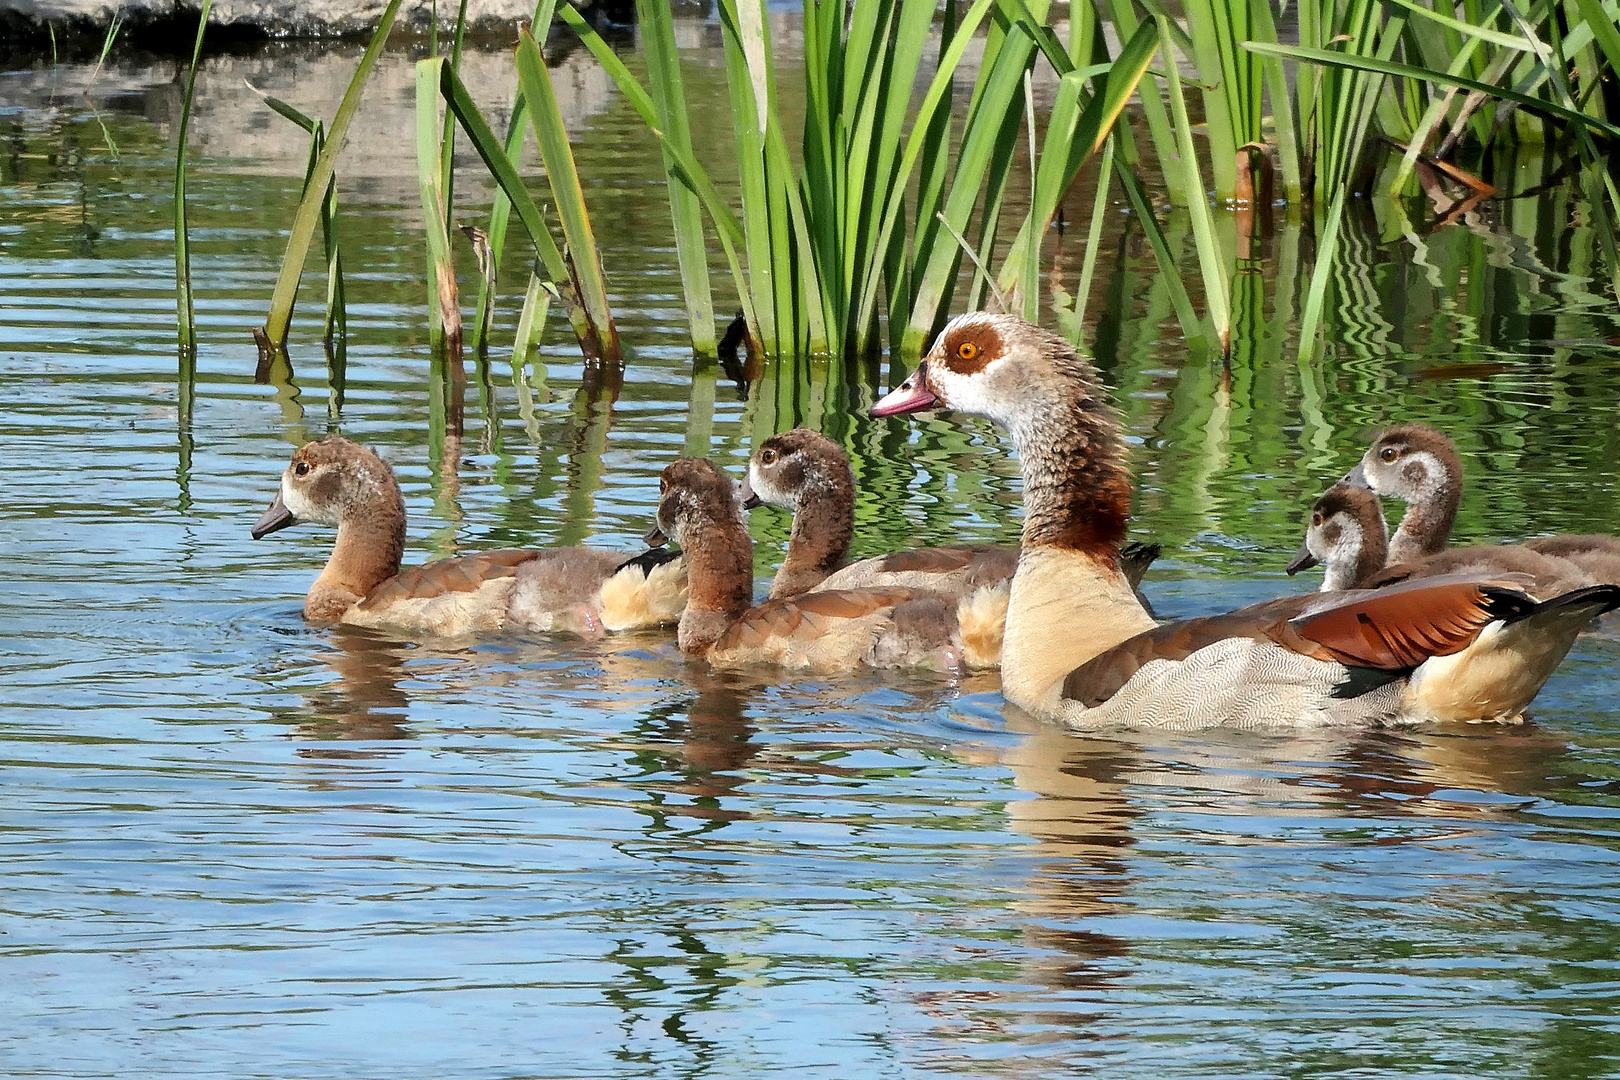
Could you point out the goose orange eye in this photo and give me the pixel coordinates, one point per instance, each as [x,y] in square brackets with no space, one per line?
[968,350]
[767,457]
[301,469]
[1389,453]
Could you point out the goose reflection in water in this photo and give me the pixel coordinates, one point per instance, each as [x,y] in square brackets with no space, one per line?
[1092,892]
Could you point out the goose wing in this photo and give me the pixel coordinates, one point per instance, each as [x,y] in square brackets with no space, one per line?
[807,617]
[1392,630]
[463,573]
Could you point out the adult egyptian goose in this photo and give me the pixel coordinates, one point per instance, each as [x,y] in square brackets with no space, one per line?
[1419,465]
[1345,534]
[342,484]
[1079,648]
[836,630]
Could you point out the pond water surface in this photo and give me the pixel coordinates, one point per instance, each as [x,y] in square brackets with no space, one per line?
[238,846]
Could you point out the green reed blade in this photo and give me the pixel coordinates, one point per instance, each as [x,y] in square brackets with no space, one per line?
[1376,66]
[500,207]
[531,324]
[1169,273]
[746,112]
[686,211]
[447,139]
[586,261]
[1477,32]
[1018,13]
[1599,22]
[1211,262]
[993,114]
[1076,129]
[308,214]
[1088,266]
[1285,123]
[444,308]
[1431,118]
[1209,27]
[501,166]
[924,134]
[337,306]
[1123,15]
[807,278]
[186,316]
[687,168]
[303,120]
[337,320]
[1326,251]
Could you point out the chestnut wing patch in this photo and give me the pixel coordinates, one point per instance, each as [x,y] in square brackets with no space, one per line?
[465,573]
[1403,625]
[1393,629]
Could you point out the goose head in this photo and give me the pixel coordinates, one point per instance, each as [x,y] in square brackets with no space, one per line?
[1346,535]
[694,499]
[332,482]
[697,508]
[1411,462]
[993,365]
[1077,488]
[796,469]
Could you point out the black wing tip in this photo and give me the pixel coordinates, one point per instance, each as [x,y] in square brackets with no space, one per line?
[1602,599]
[1360,681]
[649,560]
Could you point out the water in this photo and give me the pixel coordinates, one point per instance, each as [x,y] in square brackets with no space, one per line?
[239,846]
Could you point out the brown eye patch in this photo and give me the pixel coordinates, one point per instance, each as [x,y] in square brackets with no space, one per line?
[969,349]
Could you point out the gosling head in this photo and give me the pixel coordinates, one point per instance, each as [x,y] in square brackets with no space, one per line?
[1346,535]
[329,482]
[796,469]
[1411,462]
[693,497]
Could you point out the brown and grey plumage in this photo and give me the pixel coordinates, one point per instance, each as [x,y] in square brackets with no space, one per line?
[1345,534]
[805,472]
[833,630]
[342,484]
[808,474]
[1080,649]
[1419,465]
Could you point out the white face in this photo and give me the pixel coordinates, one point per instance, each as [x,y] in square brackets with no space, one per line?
[1335,540]
[967,366]
[764,485]
[1336,543]
[295,497]
[1404,472]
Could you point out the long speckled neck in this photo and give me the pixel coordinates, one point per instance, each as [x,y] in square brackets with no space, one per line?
[1077,488]
[720,575]
[823,527]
